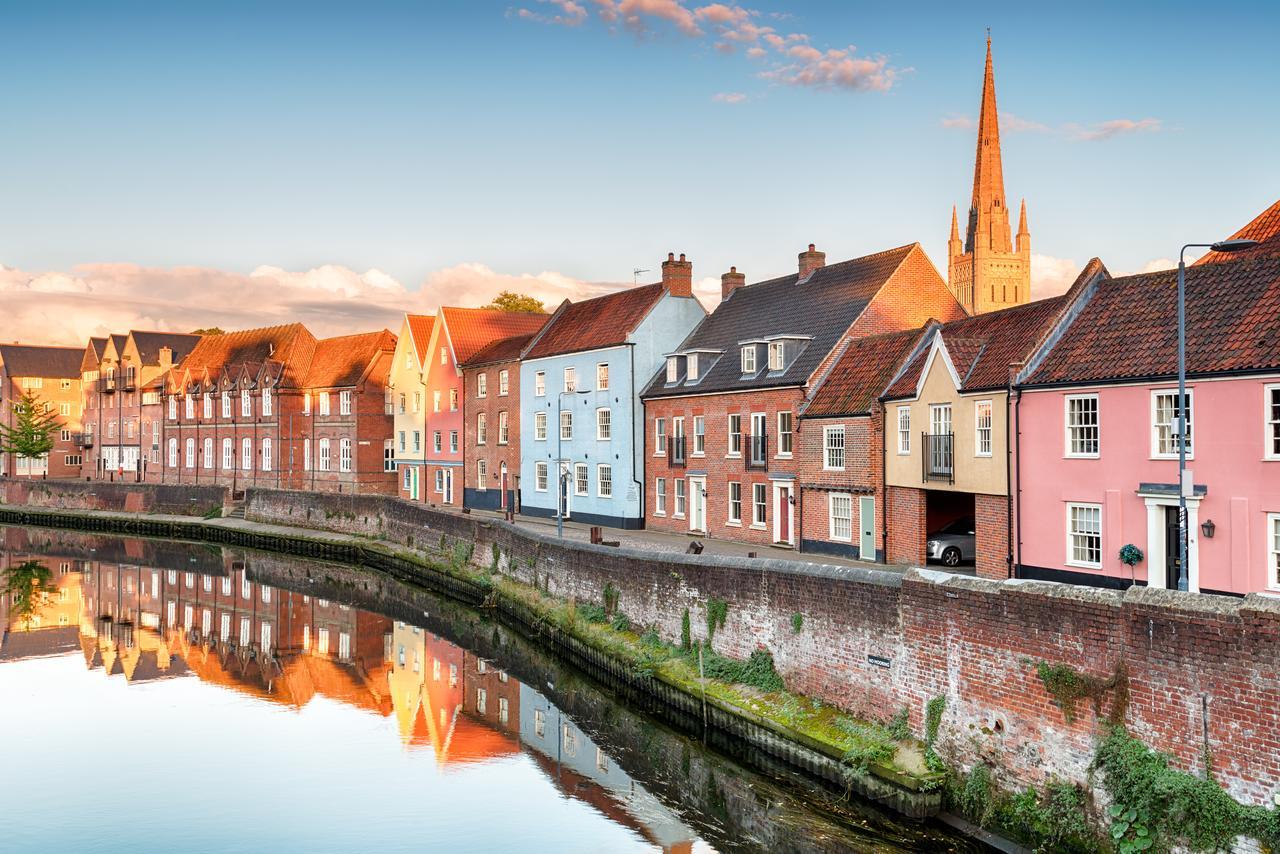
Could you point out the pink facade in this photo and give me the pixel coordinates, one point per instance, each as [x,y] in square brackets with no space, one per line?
[1128,488]
[444,473]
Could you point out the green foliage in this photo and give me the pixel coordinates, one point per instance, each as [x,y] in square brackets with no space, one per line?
[976,796]
[686,631]
[512,301]
[610,597]
[208,330]
[899,728]
[1067,686]
[1130,555]
[460,557]
[1055,820]
[797,622]
[933,719]
[758,670]
[1176,809]
[27,586]
[867,744]
[717,611]
[651,638]
[35,425]
[592,613]
[621,623]
[497,556]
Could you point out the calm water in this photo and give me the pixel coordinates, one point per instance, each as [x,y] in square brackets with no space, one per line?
[178,697]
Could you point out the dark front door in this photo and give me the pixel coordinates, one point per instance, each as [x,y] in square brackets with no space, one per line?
[1172,538]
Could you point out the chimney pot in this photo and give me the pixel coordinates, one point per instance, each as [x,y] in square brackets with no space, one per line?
[810,261]
[730,282]
[677,276]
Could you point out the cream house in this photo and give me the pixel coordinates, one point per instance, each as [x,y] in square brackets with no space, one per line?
[408,390]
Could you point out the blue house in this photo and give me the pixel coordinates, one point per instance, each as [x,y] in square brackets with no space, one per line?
[581,420]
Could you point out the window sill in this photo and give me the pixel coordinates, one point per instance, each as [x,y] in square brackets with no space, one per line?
[783,456]
[829,468]
[662,513]
[733,524]
[1094,566]
[677,515]
[1084,456]
[840,539]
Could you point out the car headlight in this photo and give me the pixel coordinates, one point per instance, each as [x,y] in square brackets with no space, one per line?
[932,545]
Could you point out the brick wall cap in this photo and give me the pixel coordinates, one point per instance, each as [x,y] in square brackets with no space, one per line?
[1178,600]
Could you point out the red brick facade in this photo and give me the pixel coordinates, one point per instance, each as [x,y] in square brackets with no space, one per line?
[991,516]
[908,510]
[861,477]
[492,479]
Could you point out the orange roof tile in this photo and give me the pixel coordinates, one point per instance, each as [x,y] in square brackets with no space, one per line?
[600,322]
[472,329]
[861,374]
[343,360]
[290,346]
[1265,228]
[420,326]
[502,350]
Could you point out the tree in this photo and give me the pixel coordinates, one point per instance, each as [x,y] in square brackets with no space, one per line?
[512,301]
[34,428]
[28,586]
[208,330]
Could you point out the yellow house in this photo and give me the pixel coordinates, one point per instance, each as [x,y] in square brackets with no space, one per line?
[947,447]
[407,385]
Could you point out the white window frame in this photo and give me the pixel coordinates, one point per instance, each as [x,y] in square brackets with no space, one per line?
[1156,454]
[691,367]
[604,480]
[246,403]
[1273,551]
[659,496]
[978,429]
[189,456]
[206,456]
[482,474]
[833,500]
[1271,422]
[266,454]
[206,406]
[777,356]
[904,430]
[659,437]
[482,385]
[673,368]
[482,428]
[581,479]
[344,454]
[344,402]
[789,434]
[266,401]
[504,428]
[602,376]
[1069,429]
[681,498]
[759,505]
[540,384]
[566,425]
[830,449]
[226,405]
[437,442]
[733,440]
[1072,533]
[229,454]
[246,454]
[504,382]
[604,424]
[324,456]
[570,378]
[540,426]
[540,476]
[748,360]
[735,503]
[699,436]
[323,401]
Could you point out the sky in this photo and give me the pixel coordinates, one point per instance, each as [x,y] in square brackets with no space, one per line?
[168,166]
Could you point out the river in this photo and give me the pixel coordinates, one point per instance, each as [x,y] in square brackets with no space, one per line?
[161,695]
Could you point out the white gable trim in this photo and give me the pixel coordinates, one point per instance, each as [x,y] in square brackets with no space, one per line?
[935,348]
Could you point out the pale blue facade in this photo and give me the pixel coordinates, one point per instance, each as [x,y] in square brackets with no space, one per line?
[630,367]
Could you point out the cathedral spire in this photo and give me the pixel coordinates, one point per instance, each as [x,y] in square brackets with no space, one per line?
[988,216]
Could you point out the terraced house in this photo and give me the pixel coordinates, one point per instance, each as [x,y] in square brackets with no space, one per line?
[123,417]
[456,336]
[407,389]
[53,375]
[275,407]
[491,416]
[581,418]
[1098,424]
[721,416]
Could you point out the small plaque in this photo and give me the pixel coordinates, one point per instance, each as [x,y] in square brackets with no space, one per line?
[879,661]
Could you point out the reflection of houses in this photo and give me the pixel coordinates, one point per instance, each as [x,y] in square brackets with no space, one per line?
[584,771]
[50,628]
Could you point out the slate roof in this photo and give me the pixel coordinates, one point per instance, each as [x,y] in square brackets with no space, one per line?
[1128,328]
[343,360]
[93,354]
[420,326]
[1265,227]
[288,348]
[823,306]
[149,344]
[502,350]
[29,360]
[861,373]
[592,324]
[982,347]
[472,329]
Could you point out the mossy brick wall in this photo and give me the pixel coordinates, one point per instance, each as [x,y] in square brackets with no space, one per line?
[873,641]
[128,497]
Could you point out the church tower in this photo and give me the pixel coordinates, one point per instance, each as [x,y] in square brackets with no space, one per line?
[987,271]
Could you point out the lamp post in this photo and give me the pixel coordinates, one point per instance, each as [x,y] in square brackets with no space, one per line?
[560,487]
[1180,424]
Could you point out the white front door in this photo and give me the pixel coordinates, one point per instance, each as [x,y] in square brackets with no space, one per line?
[784,519]
[448,486]
[698,504]
[867,527]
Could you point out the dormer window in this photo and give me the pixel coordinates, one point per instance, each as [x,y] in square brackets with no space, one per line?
[749,359]
[691,368]
[673,368]
[775,356]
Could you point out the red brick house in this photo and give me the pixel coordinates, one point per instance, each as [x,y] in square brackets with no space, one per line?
[275,407]
[721,418]
[53,374]
[841,447]
[491,424]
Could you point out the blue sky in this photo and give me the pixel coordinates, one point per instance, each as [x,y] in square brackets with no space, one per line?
[417,138]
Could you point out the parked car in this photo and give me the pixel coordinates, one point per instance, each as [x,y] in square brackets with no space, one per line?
[953,543]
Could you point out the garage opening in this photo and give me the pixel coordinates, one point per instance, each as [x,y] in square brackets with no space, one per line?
[950,529]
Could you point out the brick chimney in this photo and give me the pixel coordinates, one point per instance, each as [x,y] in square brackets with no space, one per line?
[730,282]
[677,276]
[810,261]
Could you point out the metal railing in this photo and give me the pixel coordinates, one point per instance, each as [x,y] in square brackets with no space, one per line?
[83,440]
[757,451]
[677,451]
[938,460]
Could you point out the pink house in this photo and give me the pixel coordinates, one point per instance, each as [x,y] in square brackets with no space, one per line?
[1096,453]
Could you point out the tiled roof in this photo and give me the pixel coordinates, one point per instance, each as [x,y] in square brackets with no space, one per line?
[93,354]
[1128,329]
[420,326]
[249,351]
[118,341]
[1264,228]
[604,321]
[472,329]
[861,373]
[502,350]
[822,306]
[982,347]
[28,360]
[149,344]
[342,361]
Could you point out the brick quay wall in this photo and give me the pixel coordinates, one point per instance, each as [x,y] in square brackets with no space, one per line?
[874,641]
[181,500]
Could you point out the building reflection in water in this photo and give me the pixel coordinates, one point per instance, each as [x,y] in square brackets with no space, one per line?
[147,611]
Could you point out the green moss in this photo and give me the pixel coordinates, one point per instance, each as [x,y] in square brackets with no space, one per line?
[610,597]
[686,632]
[933,719]
[717,611]
[797,622]
[621,623]
[1067,686]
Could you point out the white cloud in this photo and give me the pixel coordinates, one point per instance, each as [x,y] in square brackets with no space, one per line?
[57,307]
[1051,276]
[1010,123]
[571,14]
[729,97]
[1115,127]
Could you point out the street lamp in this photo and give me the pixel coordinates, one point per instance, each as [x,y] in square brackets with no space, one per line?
[560,467]
[1228,246]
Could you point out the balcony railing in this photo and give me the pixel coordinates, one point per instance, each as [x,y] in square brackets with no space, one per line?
[677,451]
[107,384]
[757,453]
[938,459]
[129,381]
[83,440]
